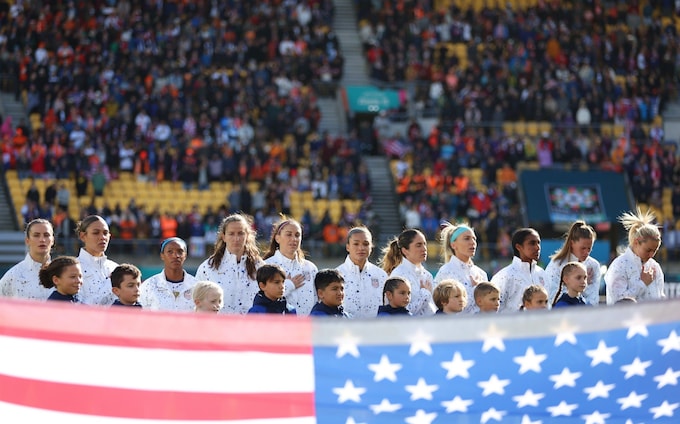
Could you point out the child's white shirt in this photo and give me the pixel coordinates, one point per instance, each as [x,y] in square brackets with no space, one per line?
[591,294]
[363,288]
[96,289]
[623,279]
[421,298]
[239,288]
[158,294]
[304,297]
[22,281]
[514,279]
[468,274]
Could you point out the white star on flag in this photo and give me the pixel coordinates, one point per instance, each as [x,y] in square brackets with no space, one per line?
[602,354]
[565,378]
[596,418]
[421,417]
[565,333]
[637,325]
[420,342]
[347,344]
[563,409]
[422,390]
[664,410]
[530,361]
[384,369]
[350,420]
[633,400]
[456,404]
[527,420]
[599,390]
[349,392]
[493,338]
[492,414]
[669,377]
[670,343]
[457,367]
[529,398]
[493,385]
[636,367]
[385,406]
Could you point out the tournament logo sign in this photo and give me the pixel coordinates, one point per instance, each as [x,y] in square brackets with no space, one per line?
[569,202]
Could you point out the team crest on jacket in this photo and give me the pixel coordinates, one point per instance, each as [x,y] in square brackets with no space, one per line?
[375,282]
[187,295]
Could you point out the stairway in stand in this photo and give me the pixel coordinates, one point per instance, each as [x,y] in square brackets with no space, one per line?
[385,202]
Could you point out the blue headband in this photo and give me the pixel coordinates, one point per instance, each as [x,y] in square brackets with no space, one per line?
[458,231]
[176,240]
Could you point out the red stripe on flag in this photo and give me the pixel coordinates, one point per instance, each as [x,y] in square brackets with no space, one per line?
[160,405]
[122,327]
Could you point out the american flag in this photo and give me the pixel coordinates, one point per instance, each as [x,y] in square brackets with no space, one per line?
[71,364]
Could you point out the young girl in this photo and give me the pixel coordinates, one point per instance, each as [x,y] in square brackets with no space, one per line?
[364,281]
[285,251]
[450,297]
[574,278]
[170,289]
[534,297]
[234,263]
[635,273]
[22,281]
[404,257]
[577,246]
[522,272]
[458,246]
[397,293]
[65,275]
[207,296]
[94,232]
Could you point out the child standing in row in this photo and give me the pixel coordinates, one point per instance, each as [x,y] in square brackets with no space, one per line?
[450,297]
[208,297]
[330,289]
[574,278]
[270,299]
[397,293]
[125,282]
[535,297]
[487,297]
[65,275]
[404,257]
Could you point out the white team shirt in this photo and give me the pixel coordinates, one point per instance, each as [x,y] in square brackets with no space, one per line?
[421,298]
[158,294]
[96,289]
[591,294]
[514,279]
[21,281]
[303,298]
[467,274]
[363,288]
[623,279]
[239,289]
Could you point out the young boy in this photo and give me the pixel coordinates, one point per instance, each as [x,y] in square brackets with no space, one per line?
[487,297]
[270,299]
[125,282]
[450,297]
[330,288]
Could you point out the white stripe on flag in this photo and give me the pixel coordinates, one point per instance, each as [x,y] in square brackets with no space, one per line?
[17,414]
[156,369]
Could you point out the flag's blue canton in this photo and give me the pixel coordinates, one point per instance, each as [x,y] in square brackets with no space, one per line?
[627,376]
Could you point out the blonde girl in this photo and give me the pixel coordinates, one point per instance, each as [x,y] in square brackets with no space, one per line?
[22,280]
[450,297]
[574,279]
[285,250]
[94,232]
[364,281]
[578,243]
[208,297]
[404,257]
[458,247]
[234,263]
[635,273]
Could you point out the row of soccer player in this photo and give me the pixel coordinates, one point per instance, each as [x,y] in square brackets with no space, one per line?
[236,260]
